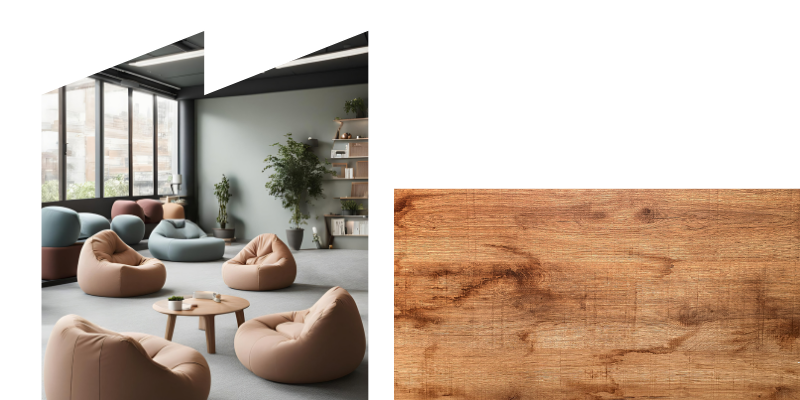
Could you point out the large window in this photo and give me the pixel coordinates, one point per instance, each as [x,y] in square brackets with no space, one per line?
[142,135]
[167,143]
[115,141]
[50,139]
[138,136]
[80,98]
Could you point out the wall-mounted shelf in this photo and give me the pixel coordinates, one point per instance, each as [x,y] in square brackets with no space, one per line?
[351,140]
[351,119]
[348,179]
[347,158]
[350,235]
[344,216]
[351,198]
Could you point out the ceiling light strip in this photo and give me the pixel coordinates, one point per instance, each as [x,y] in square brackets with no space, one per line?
[325,57]
[170,58]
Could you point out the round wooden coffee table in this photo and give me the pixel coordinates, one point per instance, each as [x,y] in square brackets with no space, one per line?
[206,310]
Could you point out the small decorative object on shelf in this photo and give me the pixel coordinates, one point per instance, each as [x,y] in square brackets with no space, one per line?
[175,303]
[218,298]
[351,207]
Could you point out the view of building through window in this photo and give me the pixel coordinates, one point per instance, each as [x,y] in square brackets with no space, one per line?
[167,143]
[142,137]
[119,142]
[50,135]
[80,98]
[115,141]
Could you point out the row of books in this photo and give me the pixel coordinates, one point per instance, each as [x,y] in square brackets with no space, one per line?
[340,227]
[348,173]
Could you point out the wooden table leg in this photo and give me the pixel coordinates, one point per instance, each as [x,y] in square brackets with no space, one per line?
[170,326]
[202,324]
[210,334]
[240,317]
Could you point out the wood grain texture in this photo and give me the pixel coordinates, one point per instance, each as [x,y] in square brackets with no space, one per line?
[597,294]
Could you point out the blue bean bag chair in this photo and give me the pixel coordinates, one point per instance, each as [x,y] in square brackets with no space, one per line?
[129,228]
[61,226]
[183,240]
[92,223]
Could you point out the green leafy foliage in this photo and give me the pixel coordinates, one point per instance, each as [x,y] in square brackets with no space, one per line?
[49,191]
[352,205]
[114,187]
[223,192]
[296,177]
[175,298]
[83,190]
[357,106]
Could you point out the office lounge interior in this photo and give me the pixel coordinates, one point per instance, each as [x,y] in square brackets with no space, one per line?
[207,245]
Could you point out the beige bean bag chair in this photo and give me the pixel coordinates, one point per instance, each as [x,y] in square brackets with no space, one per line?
[173,211]
[84,361]
[266,263]
[322,343]
[108,267]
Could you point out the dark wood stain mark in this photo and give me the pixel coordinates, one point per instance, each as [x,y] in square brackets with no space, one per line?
[696,316]
[663,264]
[646,215]
[672,345]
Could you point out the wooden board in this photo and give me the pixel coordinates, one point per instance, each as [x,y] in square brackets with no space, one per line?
[597,294]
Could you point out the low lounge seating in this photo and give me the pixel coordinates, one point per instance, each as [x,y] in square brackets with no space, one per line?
[130,228]
[266,263]
[85,361]
[126,207]
[92,223]
[109,268]
[173,211]
[284,347]
[61,229]
[153,210]
[183,240]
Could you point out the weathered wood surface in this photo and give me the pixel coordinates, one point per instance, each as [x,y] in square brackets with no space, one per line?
[597,294]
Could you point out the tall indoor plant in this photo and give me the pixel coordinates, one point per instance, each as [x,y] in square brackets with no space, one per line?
[296,178]
[222,191]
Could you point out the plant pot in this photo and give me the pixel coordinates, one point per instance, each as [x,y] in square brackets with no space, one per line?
[175,305]
[347,212]
[226,233]
[295,238]
[361,114]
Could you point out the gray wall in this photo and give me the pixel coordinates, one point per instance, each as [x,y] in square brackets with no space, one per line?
[233,137]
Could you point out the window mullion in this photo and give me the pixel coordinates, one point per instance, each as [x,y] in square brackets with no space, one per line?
[130,142]
[155,145]
[99,151]
[62,143]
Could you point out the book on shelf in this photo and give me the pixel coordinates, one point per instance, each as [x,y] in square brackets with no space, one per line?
[337,226]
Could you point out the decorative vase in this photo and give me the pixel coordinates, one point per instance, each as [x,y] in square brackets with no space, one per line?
[319,246]
[224,233]
[175,305]
[347,212]
[295,238]
[361,114]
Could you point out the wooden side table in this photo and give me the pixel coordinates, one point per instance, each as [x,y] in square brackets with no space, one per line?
[206,310]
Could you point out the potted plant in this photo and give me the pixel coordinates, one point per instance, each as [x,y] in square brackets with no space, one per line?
[315,237]
[296,178]
[357,106]
[222,191]
[349,207]
[175,303]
